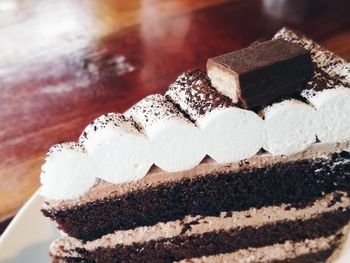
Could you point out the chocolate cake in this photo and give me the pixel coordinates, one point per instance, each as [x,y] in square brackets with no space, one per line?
[212,171]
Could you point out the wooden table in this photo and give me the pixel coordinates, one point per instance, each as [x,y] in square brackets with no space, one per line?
[64,63]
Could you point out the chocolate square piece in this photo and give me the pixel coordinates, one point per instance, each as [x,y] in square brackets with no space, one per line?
[261,74]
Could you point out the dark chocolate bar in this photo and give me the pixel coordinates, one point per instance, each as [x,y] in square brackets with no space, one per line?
[261,74]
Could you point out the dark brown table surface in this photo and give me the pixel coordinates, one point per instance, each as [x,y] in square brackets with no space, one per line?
[64,63]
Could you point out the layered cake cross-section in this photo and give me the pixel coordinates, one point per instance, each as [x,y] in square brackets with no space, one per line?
[247,162]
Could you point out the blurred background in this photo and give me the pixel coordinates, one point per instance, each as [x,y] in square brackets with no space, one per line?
[65,62]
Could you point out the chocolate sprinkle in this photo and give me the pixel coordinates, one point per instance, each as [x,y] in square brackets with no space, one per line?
[193,94]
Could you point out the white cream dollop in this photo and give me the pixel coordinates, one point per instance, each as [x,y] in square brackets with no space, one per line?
[119,151]
[68,172]
[231,134]
[228,133]
[289,127]
[175,141]
[332,114]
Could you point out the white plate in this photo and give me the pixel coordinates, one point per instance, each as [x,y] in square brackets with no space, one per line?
[27,238]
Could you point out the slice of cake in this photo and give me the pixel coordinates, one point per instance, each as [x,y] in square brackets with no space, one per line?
[249,162]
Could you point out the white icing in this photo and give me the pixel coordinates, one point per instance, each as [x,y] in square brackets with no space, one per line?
[67,173]
[114,145]
[333,114]
[176,142]
[289,127]
[231,134]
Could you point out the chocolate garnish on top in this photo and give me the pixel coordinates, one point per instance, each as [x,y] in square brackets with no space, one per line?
[261,74]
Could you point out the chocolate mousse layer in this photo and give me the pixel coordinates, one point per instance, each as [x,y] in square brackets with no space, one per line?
[207,190]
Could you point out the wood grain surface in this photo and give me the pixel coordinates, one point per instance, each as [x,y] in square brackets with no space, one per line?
[64,63]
